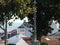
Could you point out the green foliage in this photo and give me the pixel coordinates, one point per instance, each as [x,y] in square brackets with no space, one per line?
[11,44]
[10,23]
[44,43]
[47,10]
[21,8]
[59,29]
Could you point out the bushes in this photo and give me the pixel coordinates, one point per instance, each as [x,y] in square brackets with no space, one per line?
[43,43]
[10,44]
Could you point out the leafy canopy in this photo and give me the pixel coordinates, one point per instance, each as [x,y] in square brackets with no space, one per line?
[47,10]
[20,8]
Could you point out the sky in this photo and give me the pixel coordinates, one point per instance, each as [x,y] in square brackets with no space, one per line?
[15,24]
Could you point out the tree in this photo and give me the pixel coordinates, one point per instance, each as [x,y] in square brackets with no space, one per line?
[47,10]
[13,8]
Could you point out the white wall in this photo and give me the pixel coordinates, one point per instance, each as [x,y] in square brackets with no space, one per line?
[17,39]
[21,42]
[55,26]
[21,31]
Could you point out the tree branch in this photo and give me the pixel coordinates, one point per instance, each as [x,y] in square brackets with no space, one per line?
[2,28]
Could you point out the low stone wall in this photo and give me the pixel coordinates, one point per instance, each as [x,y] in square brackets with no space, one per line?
[27,39]
[2,42]
[52,41]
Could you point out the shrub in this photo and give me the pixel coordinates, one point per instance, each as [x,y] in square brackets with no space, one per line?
[44,43]
[10,44]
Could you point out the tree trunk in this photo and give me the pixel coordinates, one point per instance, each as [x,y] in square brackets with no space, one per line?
[6,31]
